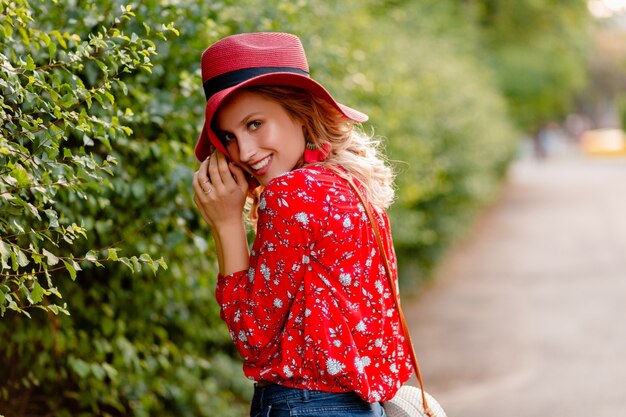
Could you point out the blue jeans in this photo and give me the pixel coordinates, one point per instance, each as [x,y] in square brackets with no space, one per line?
[278,401]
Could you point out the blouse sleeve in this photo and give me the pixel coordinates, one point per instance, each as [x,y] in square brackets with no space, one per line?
[255,303]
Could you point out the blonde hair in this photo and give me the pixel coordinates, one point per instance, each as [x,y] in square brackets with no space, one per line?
[352,149]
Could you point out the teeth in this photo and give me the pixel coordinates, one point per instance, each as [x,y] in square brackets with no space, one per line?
[260,164]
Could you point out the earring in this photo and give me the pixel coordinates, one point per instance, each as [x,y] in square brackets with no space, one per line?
[315,153]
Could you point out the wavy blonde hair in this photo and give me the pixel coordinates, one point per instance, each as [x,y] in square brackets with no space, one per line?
[352,149]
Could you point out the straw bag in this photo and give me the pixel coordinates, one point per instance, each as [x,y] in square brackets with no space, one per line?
[409,401]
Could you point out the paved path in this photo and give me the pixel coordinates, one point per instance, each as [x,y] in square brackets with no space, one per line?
[527,317]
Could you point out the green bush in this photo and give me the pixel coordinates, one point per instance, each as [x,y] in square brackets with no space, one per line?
[101,142]
[57,107]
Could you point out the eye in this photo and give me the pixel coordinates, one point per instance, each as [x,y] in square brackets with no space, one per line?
[227,137]
[254,125]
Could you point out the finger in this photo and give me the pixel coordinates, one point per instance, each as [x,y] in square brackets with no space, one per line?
[213,170]
[196,183]
[239,176]
[203,176]
[200,186]
[219,172]
[225,173]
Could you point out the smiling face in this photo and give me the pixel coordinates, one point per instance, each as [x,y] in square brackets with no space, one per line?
[259,135]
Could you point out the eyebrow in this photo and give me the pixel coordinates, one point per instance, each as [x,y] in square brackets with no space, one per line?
[243,121]
[250,116]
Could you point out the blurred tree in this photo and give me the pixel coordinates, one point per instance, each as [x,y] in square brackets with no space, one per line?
[604,96]
[538,49]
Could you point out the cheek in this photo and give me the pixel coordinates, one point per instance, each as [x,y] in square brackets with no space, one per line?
[300,142]
[233,151]
[297,133]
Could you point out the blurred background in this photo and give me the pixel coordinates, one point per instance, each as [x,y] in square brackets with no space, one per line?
[108,273]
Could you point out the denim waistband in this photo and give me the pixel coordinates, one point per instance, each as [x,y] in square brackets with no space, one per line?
[276,393]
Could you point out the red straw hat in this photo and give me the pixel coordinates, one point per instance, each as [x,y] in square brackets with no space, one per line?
[251,59]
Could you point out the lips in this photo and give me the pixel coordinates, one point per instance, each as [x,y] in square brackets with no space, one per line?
[261,166]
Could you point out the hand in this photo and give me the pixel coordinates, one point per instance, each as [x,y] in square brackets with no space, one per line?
[220,190]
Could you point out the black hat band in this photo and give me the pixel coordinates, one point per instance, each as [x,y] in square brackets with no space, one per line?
[232,78]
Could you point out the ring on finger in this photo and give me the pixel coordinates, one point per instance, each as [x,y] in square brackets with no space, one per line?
[209,191]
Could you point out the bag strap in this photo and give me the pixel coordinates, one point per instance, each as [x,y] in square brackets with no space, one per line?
[392,283]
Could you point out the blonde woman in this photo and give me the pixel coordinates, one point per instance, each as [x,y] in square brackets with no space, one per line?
[309,308]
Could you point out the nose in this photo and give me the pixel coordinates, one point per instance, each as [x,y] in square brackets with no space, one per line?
[247,148]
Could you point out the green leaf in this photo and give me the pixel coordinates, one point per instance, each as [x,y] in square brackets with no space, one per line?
[52,49]
[51,259]
[97,371]
[55,291]
[136,263]
[170,27]
[37,258]
[4,254]
[127,262]
[37,293]
[112,255]
[22,260]
[30,64]
[20,174]
[8,30]
[70,269]
[33,210]
[79,366]
[102,66]
[53,217]
[110,370]
[110,97]
[161,262]
[12,305]
[91,256]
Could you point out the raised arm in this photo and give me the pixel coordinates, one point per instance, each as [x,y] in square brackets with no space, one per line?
[220,194]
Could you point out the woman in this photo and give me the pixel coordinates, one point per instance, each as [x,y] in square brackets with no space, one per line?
[309,308]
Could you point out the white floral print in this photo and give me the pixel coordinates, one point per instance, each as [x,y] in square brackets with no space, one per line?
[333,366]
[345,279]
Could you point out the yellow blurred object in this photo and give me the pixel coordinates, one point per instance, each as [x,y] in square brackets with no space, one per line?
[604,142]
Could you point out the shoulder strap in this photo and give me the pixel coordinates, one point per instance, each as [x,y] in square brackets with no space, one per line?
[392,282]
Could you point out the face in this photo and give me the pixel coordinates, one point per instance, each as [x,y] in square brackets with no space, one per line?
[259,135]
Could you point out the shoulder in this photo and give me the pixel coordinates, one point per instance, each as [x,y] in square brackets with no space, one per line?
[316,176]
[305,194]
[305,185]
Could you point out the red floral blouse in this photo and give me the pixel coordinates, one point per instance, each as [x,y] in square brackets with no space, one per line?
[315,310]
